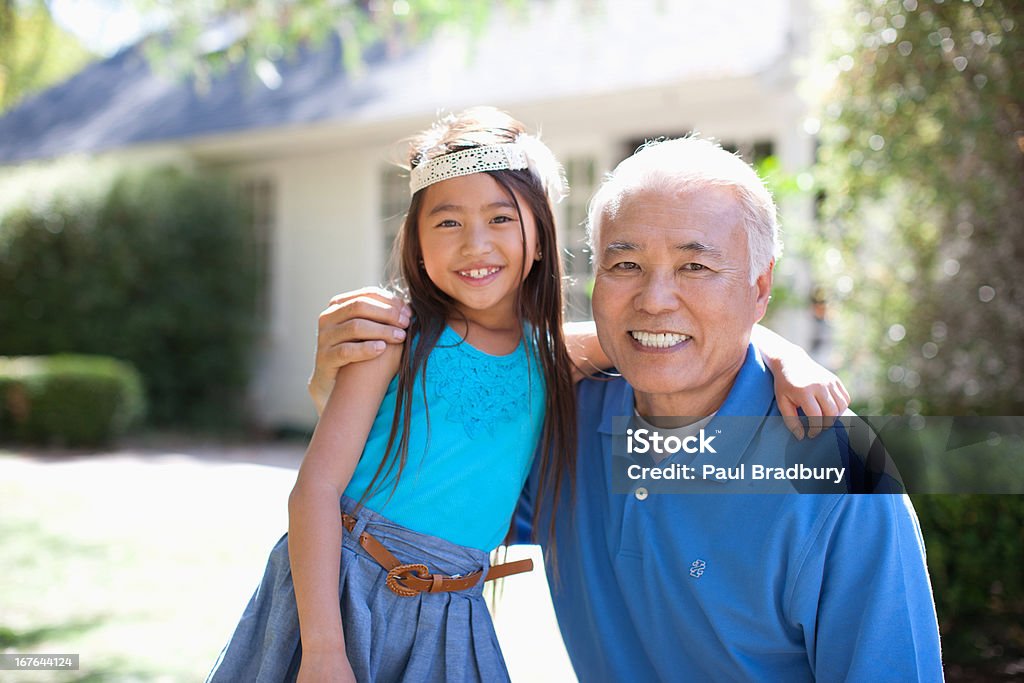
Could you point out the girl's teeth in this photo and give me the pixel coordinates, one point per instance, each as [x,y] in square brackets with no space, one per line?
[661,340]
[478,273]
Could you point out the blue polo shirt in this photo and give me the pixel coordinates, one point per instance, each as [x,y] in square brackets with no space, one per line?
[733,587]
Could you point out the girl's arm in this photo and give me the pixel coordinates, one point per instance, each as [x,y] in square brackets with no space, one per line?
[314,516]
[801,383]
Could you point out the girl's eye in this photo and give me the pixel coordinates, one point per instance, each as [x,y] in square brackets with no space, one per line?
[503,219]
[448,223]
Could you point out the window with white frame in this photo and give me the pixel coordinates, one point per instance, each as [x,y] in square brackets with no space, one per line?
[260,197]
[753,151]
[394,202]
[582,174]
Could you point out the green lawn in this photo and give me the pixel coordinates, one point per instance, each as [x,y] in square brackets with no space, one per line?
[142,563]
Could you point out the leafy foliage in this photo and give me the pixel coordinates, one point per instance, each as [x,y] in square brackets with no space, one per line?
[161,272]
[975,552]
[34,52]
[207,38]
[67,399]
[923,159]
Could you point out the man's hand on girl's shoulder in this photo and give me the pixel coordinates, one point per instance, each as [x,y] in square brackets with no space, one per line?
[355,326]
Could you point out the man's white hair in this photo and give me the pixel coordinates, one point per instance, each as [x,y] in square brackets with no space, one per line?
[684,165]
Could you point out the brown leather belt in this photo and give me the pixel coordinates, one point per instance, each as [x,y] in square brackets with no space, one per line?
[409,579]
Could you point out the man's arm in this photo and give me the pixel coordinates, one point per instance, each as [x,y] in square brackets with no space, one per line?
[359,325]
[584,349]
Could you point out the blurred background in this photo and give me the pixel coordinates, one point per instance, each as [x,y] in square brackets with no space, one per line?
[183,187]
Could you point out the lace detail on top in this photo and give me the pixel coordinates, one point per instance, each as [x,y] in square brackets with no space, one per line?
[478,389]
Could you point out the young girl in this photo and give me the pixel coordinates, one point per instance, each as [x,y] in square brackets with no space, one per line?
[438,436]
[427,446]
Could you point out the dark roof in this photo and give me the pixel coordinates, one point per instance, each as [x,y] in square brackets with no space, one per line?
[121,101]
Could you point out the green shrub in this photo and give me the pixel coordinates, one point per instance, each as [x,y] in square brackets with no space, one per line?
[161,271]
[68,400]
[975,554]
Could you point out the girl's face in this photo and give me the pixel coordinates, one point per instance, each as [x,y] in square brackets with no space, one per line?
[472,245]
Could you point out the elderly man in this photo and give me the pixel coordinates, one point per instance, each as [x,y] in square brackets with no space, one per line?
[676,586]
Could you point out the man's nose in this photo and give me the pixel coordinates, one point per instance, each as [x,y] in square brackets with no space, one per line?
[658,293]
[476,239]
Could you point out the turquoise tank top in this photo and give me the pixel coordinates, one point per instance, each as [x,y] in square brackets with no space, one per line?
[486,417]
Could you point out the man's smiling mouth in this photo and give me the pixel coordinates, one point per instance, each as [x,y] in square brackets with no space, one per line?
[658,340]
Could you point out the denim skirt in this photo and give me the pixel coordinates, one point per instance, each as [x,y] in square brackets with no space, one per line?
[388,637]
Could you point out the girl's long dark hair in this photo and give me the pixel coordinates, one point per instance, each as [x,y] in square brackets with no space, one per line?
[538,303]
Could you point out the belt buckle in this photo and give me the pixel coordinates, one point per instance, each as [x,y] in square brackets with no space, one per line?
[399,572]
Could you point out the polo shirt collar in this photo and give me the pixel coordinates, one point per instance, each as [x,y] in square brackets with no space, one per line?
[618,402]
[754,389]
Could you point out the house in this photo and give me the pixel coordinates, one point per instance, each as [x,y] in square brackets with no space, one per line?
[311,142]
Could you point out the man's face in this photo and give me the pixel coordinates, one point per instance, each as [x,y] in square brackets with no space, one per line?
[673,301]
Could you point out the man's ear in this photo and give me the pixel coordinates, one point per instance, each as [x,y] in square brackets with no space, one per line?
[763,287]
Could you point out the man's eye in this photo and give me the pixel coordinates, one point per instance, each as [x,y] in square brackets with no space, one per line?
[625,265]
[695,267]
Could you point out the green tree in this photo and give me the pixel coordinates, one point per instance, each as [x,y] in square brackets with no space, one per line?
[34,51]
[203,39]
[206,38]
[923,161]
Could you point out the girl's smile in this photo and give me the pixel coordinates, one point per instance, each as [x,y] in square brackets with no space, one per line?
[480,275]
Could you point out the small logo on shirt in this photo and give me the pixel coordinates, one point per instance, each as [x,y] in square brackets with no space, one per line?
[697,568]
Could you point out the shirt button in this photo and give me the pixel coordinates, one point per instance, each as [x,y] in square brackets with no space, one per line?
[640,493]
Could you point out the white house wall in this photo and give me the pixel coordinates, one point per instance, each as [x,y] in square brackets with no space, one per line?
[323,242]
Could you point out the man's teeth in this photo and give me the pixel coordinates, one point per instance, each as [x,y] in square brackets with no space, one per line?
[478,273]
[661,340]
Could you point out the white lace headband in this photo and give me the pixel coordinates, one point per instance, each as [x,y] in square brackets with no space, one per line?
[526,152]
